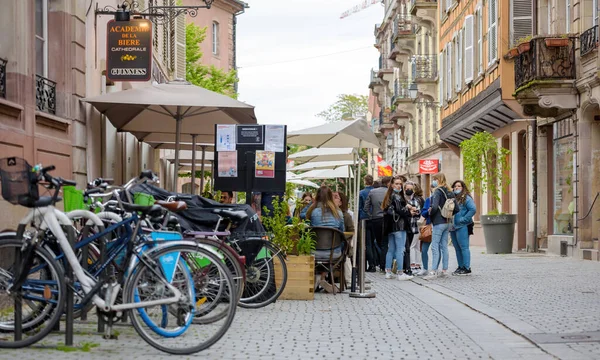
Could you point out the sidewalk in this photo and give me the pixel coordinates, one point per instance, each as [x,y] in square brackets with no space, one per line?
[512,307]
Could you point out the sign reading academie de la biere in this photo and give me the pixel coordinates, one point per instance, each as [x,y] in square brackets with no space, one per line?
[129,50]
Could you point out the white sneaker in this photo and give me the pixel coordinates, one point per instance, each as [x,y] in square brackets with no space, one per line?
[404,277]
[432,275]
[443,273]
[422,272]
[389,275]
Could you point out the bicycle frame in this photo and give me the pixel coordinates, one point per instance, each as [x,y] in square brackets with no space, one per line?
[48,216]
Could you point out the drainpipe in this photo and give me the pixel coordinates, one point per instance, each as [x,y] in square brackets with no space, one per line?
[535,184]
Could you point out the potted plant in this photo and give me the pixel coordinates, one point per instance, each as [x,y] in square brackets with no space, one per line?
[557,41]
[292,235]
[524,44]
[387,110]
[486,165]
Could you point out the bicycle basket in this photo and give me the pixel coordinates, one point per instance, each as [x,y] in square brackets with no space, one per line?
[143,199]
[18,182]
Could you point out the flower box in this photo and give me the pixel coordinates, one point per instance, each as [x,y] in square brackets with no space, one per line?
[557,42]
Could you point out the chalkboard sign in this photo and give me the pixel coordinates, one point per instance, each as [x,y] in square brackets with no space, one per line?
[250,134]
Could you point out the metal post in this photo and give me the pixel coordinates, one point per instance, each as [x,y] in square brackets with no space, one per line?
[362,293]
[178,120]
[70,294]
[212,175]
[84,260]
[194,165]
[202,168]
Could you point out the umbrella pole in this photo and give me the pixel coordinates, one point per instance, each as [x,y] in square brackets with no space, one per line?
[212,176]
[202,168]
[178,119]
[194,164]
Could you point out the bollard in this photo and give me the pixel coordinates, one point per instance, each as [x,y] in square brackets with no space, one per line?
[363,262]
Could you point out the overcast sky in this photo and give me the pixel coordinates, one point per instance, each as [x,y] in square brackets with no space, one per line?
[273,37]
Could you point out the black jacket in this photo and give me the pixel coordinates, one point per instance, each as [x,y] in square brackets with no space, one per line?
[437,203]
[397,216]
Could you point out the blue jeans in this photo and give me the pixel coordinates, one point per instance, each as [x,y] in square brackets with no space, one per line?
[439,243]
[425,256]
[460,240]
[396,244]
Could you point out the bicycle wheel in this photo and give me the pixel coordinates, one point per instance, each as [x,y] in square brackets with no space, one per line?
[266,273]
[148,283]
[208,312]
[41,297]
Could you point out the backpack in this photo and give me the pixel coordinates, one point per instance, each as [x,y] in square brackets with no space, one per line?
[448,209]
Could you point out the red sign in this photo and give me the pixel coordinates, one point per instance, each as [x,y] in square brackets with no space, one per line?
[429,166]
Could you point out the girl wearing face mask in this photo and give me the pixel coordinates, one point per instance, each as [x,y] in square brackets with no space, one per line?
[414,206]
[396,207]
[462,220]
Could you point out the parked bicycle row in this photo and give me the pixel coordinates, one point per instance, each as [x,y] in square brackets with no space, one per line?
[178,278]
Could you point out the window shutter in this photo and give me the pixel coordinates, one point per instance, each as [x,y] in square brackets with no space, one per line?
[441,77]
[595,11]
[568,8]
[480,42]
[468,49]
[449,71]
[459,61]
[492,35]
[522,19]
[180,51]
[448,5]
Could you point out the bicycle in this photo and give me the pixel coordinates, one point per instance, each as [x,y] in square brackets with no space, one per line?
[160,274]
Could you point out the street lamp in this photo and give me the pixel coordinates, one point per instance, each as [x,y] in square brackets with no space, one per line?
[373,167]
[413,91]
[390,140]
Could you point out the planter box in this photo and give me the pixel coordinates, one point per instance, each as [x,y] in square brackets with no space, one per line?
[524,47]
[300,283]
[499,231]
[556,42]
[512,53]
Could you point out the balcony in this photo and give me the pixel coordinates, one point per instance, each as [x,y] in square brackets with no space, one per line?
[424,68]
[3,78]
[418,7]
[545,76]
[589,40]
[401,91]
[45,94]
[404,27]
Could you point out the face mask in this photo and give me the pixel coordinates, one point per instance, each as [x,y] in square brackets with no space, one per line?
[409,192]
[434,183]
[397,191]
[457,191]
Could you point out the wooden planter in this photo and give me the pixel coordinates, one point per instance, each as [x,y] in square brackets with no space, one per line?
[300,278]
[524,47]
[512,53]
[557,42]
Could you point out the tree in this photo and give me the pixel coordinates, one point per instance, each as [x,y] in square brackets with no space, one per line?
[347,105]
[208,77]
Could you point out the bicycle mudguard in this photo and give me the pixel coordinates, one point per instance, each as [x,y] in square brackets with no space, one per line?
[168,262]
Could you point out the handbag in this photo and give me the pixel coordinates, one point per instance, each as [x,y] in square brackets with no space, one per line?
[425,233]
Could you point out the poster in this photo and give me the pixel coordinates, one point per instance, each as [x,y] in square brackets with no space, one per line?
[265,164]
[228,164]
[275,138]
[226,138]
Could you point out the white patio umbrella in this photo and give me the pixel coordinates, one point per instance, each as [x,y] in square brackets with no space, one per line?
[356,134]
[323,154]
[177,107]
[341,172]
[303,182]
[322,165]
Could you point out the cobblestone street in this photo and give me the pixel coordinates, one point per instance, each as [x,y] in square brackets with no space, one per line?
[519,306]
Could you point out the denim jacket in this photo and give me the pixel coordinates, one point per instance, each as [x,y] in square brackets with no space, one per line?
[318,219]
[465,213]
[425,211]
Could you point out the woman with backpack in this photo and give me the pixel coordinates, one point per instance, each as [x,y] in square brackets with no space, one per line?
[443,207]
[399,212]
[460,233]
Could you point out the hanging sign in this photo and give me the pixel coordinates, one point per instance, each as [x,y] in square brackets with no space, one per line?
[129,50]
[429,166]
[265,164]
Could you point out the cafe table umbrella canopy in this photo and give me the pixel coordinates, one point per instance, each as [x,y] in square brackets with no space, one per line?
[323,154]
[177,107]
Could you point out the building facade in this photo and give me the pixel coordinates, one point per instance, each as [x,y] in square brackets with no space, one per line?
[557,84]
[406,86]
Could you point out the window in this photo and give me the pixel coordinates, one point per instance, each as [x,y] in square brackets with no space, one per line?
[449,62]
[41,37]
[468,39]
[568,16]
[441,73]
[521,19]
[563,152]
[458,61]
[492,36]
[215,38]
[595,11]
[480,43]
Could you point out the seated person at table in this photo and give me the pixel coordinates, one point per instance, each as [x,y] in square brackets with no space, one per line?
[340,199]
[302,208]
[226,197]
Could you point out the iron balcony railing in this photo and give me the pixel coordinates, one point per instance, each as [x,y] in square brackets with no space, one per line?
[401,91]
[380,118]
[3,63]
[380,62]
[546,61]
[424,67]
[589,40]
[415,2]
[45,94]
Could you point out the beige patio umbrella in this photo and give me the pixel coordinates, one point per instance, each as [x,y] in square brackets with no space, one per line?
[323,154]
[177,107]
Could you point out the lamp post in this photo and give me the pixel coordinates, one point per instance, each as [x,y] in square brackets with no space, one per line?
[372,167]
[413,91]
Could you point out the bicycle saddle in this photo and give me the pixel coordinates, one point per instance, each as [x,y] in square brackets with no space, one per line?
[153,210]
[173,206]
[232,214]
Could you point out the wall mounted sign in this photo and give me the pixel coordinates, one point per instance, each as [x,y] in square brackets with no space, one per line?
[250,134]
[429,166]
[129,50]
